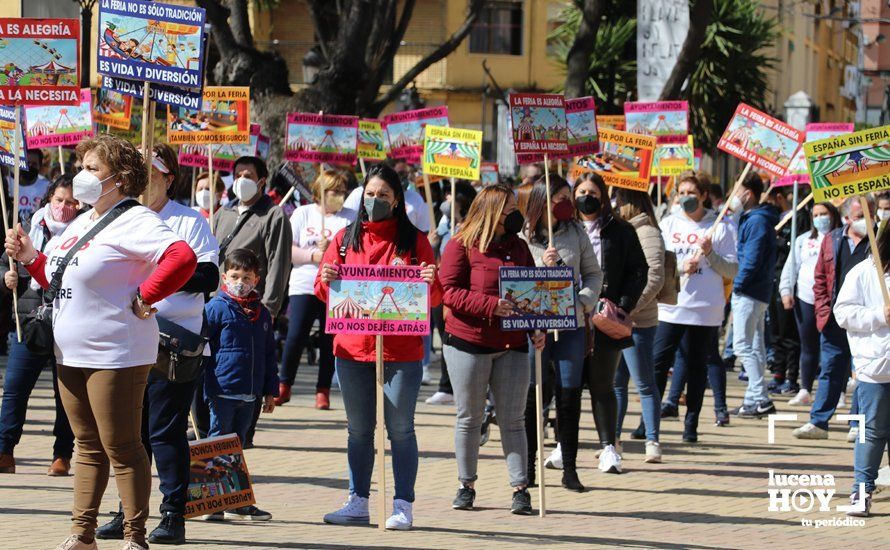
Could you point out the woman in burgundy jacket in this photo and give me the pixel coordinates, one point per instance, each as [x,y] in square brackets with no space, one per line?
[480,355]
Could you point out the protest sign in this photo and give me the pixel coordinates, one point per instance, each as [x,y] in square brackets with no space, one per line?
[488,174]
[58,125]
[7,143]
[539,124]
[697,159]
[263,145]
[542,297]
[166,95]
[321,138]
[668,121]
[224,156]
[405,130]
[849,164]
[672,159]
[761,140]
[581,125]
[39,61]
[112,109]
[452,152]
[218,476]
[151,42]
[224,117]
[297,175]
[662,26]
[611,122]
[797,170]
[378,299]
[371,140]
[624,160]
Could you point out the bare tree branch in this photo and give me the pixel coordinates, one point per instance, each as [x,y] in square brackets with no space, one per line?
[578,58]
[381,60]
[699,18]
[218,16]
[240,22]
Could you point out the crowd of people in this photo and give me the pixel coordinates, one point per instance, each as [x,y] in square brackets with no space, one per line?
[250,282]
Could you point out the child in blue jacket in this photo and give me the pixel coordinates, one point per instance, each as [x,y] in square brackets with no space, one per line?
[242,367]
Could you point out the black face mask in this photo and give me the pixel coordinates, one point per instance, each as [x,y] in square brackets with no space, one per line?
[513,222]
[588,204]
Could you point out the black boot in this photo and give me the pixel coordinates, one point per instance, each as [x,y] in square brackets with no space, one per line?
[114,529]
[568,416]
[171,530]
[690,427]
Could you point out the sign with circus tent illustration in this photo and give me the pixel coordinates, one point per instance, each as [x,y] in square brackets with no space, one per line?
[224,117]
[224,155]
[405,130]
[56,125]
[624,160]
[371,140]
[611,122]
[7,143]
[378,299]
[672,159]
[538,122]
[581,125]
[321,138]
[797,171]
[767,143]
[452,152]
[668,121]
[151,42]
[542,297]
[488,174]
[112,109]
[849,164]
[39,61]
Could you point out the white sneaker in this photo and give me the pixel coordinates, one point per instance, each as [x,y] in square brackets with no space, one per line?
[618,448]
[653,452]
[803,397]
[853,435]
[440,398]
[610,460]
[842,401]
[402,515]
[130,545]
[810,431]
[554,461]
[353,512]
[427,377]
[74,543]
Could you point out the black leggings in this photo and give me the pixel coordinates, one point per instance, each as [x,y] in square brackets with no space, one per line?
[599,370]
[809,343]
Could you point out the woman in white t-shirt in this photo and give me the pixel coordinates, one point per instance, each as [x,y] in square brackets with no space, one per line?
[310,243]
[796,289]
[105,336]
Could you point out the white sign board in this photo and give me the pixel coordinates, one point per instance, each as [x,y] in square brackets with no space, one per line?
[662,26]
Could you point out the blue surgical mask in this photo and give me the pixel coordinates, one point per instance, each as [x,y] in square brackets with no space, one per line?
[822,224]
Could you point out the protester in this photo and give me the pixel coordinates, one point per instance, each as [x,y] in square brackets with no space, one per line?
[32,187]
[637,360]
[621,257]
[203,195]
[883,206]
[796,288]
[168,395]
[24,366]
[860,309]
[310,243]
[705,256]
[242,368]
[415,205]
[382,234]
[751,291]
[841,249]
[571,248]
[133,263]
[480,354]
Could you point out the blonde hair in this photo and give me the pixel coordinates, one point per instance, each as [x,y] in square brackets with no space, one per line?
[329,179]
[482,220]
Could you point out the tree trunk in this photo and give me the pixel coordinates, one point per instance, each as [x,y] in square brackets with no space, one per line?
[578,59]
[240,22]
[699,18]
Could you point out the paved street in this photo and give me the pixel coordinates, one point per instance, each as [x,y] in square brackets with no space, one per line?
[709,495]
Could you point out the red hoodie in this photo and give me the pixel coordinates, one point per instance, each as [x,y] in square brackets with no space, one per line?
[378,248]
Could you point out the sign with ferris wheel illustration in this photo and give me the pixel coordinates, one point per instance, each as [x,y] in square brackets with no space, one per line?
[39,61]
[542,297]
[55,125]
[452,152]
[668,121]
[767,143]
[379,299]
[321,138]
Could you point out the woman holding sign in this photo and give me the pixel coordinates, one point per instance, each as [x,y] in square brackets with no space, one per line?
[480,354]
[571,248]
[382,234]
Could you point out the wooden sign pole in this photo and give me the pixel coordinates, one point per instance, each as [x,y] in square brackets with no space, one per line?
[147,134]
[380,439]
[212,186]
[429,202]
[873,244]
[16,152]
[194,185]
[789,215]
[539,428]
[61,161]
[361,163]
[453,202]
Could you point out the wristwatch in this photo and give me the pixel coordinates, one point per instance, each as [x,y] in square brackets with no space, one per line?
[32,260]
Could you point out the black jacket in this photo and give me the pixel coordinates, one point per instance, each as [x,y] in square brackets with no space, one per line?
[625,271]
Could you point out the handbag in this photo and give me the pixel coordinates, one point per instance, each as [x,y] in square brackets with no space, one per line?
[37,330]
[611,321]
[180,351]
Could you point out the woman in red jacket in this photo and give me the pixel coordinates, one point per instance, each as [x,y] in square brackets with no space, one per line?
[381,235]
[482,354]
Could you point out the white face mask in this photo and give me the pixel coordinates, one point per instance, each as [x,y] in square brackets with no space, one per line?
[735,204]
[202,197]
[859,227]
[245,189]
[239,289]
[883,214]
[88,187]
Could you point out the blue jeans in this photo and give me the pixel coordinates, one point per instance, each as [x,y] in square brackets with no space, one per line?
[567,355]
[23,368]
[303,310]
[749,346]
[805,315]
[716,375]
[400,389]
[639,361]
[834,364]
[229,416]
[874,403]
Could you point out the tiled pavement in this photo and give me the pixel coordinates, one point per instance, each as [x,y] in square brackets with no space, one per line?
[709,495]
